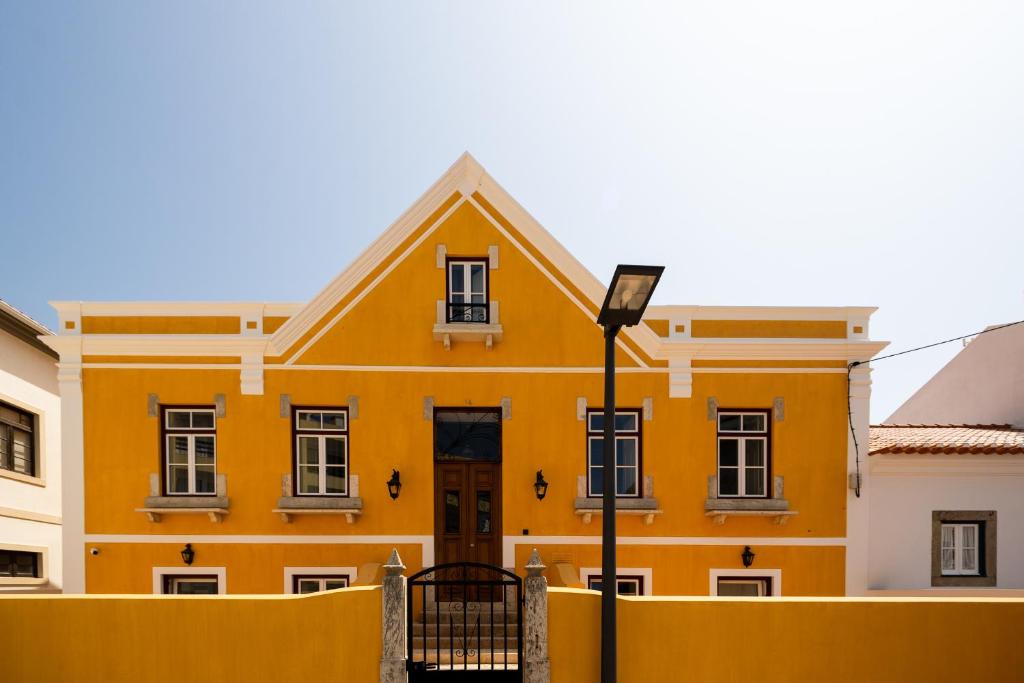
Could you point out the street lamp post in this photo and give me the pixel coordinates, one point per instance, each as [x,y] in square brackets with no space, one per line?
[624,305]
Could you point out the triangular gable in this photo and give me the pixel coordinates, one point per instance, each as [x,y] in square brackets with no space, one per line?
[465,181]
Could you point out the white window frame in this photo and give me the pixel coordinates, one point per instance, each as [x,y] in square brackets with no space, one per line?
[160,572]
[774,574]
[742,436]
[320,572]
[467,292]
[190,434]
[321,435]
[645,573]
[958,548]
[620,435]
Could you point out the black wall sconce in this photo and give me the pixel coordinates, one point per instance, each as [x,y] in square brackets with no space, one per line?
[394,485]
[748,556]
[187,554]
[540,486]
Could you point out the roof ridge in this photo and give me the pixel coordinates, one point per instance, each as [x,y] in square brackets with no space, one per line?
[947,425]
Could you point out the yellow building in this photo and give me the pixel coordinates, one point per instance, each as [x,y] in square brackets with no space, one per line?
[460,352]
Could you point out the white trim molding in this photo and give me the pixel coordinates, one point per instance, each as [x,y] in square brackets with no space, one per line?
[774,574]
[291,572]
[645,573]
[160,572]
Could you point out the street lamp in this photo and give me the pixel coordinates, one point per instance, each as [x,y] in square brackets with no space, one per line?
[628,296]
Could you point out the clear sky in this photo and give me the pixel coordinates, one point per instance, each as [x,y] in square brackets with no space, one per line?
[803,153]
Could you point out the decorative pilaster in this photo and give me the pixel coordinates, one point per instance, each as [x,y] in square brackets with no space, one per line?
[535,622]
[392,658]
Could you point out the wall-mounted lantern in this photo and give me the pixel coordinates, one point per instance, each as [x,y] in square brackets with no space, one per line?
[540,486]
[748,556]
[394,485]
[187,554]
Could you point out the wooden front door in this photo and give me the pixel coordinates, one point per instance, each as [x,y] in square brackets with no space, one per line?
[467,512]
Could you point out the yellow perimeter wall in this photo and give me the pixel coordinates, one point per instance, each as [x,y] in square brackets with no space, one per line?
[335,636]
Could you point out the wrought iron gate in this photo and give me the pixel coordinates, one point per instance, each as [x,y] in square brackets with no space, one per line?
[465,623]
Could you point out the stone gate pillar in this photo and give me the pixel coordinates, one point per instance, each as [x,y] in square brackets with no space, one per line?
[392,658]
[535,622]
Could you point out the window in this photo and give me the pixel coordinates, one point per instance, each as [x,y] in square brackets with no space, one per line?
[467,435]
[745,587]
[190,452]
[321,451]
[627,585]
[627,453]
[743,454]
[314,584]
[17,440]
[960,549]
[191,584]
[964,548]
[468,291]
[19,564]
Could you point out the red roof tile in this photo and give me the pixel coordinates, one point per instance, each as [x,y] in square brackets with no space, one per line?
[977,439]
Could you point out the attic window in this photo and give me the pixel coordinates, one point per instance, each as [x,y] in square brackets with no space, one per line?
[467,300]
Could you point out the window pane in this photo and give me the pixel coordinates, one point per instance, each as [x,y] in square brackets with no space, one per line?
[740,589]
[948,535]
[308,420]
[625,422]
[754,481]
[332,584]
[948,560]
[335,480]
[728,452]
[177,480]
[22,451]
[625,451]
[205,479]
[177,450]
[728,481]
[451,512]
[308,586]
[458,278]
[467,435]
[729,423]
[596,481]
[629,587]
[596,451]
[625,481]
[309,479]
[969,558]
[202,419]
[334,421]
[25,564]
[194,587]
[477,276]
[483,512]
[204,450]
[335,448]
[178,419]
[753,423]
[309,450]
[595,422]
[970,535]
[754,449]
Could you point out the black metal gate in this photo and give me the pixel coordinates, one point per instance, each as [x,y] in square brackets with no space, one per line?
[465,623]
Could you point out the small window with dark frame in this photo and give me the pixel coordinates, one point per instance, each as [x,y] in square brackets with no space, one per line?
[625,585]
[964,548]
[468,291]
[303,585]
[743,458]
[321,451]
[17,440]
[627,453]
[190,451]
[961,546]
[745,586]
[190,584]
[19,564]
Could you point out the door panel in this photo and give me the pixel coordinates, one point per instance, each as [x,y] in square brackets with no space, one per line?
[467,512]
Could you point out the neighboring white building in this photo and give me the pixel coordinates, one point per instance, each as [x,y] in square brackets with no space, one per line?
[946,473]
[30,471]
[983,384]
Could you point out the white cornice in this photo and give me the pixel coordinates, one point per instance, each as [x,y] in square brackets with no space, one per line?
[770,349]
[951,465]
[759,312]
[176,308]
[156,345]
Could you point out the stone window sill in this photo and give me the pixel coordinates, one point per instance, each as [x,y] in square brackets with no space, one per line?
[288,506]
[719,509]
[629,507]
[216,507]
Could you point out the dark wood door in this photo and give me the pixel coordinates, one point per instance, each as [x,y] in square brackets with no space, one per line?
[467,512]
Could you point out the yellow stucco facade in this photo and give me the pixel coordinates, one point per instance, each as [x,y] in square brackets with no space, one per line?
[369,344]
